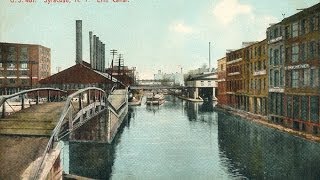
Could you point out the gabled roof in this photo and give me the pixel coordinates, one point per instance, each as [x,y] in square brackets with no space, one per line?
[79,74]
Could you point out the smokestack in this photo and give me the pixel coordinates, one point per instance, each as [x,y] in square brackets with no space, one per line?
[78,41]
[97,53]
[91,48]
[94,51]
[103,57]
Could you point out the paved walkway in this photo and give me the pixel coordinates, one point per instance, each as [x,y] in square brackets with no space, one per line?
[37,120]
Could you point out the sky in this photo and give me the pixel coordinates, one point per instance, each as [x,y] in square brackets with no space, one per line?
[152,35]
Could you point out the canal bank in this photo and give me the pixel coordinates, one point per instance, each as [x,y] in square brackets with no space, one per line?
[263,120]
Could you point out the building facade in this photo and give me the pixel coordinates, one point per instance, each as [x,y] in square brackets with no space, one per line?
[202,86]
[222,86]
[236,79]
[22,66]
[302,57]
[276,70]
[257,79]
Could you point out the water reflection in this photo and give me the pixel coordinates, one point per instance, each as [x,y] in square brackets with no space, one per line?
[184,140]
[93,160]
[262,153]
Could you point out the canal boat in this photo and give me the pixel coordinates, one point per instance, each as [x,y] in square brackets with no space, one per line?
[155,99]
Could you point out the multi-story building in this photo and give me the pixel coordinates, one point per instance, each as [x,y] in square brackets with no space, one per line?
[236,79]
[22,66]
[302,57]
[276,70]
[222,87]
[257,79]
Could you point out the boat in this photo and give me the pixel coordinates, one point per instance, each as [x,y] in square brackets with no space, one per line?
[155,99]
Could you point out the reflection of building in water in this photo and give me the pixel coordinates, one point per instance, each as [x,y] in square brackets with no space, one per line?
[195,111]
[262,153]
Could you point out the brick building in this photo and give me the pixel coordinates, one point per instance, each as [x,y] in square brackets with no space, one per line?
[22,66]
[222,87]
[302,55]
[236,79]
[257,78]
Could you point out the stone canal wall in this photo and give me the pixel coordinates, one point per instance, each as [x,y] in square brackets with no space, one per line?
[263,120]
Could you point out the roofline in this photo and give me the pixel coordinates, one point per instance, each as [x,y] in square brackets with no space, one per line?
[7,43]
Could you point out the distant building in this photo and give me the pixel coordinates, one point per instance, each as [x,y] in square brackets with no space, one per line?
[202,86]
[222,89]
[170,79]
[22,66]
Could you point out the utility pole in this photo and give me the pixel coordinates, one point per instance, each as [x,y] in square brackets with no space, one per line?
[113,53]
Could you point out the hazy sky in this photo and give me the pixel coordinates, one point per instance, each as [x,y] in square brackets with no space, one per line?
[152,34]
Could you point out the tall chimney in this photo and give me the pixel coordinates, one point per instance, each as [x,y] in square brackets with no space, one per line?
[103,57]
[91,48]
[78,41]
[94,52]
[97,53]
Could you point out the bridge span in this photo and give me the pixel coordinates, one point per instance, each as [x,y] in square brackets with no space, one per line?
[89,114]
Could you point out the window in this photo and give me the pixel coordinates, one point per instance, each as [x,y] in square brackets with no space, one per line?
[275,32]
[281,77]
[276,56]
[295,53]
[295,29]
[271,77]
[303,26]
[296,107]
[306,77]
[312,23]
[23,73]
[314,108]
[24,54]
[276,78]
[12,54]
[281,54]
[288,31]
[289,106]
[304,108]
[312,50]
[295,79]
[23,65]
[314,78]
[302,52]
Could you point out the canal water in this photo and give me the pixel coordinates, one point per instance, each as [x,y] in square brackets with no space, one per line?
[184,140]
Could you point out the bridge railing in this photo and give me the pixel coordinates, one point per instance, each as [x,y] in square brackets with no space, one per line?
[18,101]
[79,108]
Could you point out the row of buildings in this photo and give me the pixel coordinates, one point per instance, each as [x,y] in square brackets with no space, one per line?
[277,78]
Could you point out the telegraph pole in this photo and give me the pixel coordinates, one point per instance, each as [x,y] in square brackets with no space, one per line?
[113,53]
